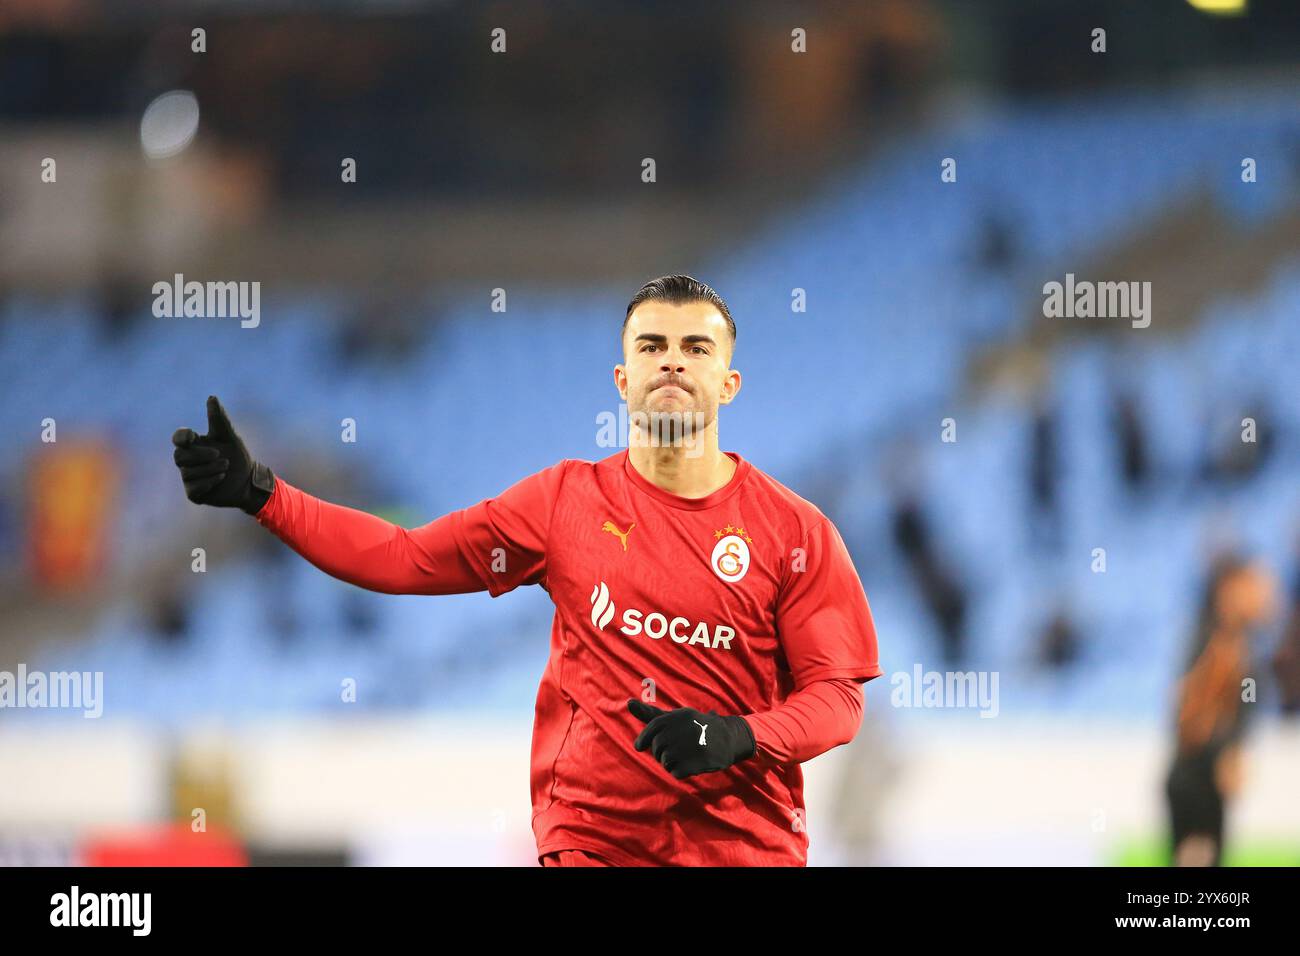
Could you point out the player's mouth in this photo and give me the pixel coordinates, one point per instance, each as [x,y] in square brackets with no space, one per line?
[681,387]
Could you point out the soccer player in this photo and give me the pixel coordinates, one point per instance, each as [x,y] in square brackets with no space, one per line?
[710,631]
[1206,773]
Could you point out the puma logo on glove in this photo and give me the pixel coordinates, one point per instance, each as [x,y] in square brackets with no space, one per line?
[671,739]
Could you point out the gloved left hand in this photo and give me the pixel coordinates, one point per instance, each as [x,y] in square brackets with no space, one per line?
[687,741]
[217,469]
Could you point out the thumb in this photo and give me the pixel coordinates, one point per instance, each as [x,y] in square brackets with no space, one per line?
[219,426]
[183,437]
[644,712]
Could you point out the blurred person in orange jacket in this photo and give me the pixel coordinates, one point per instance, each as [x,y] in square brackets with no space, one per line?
[1207,768]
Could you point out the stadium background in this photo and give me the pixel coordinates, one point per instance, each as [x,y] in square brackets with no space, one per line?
[522,171]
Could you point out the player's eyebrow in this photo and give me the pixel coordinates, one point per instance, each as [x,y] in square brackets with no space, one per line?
[698,340]
[660,339]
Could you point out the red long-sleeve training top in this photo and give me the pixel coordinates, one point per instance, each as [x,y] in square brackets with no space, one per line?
[745,602]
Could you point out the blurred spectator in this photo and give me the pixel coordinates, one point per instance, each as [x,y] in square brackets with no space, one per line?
[1133,457]
[998,248]
[381,330]
[1059,642]
[942,592]
[1044,476]
[360,616]
[1286,662]
[122,306]
[1206,770]
[169,613]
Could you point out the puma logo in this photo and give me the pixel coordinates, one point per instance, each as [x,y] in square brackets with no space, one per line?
[621,535]
[704,729]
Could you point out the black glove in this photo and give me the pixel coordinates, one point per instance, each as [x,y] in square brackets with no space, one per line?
[216,467]
[688,742]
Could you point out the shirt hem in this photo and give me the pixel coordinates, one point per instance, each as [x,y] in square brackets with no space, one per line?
[864,672]
[614,856]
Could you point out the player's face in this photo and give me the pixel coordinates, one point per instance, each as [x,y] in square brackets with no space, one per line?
[1248,597]
[677,359]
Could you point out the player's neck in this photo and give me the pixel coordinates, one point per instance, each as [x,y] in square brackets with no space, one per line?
[694,472]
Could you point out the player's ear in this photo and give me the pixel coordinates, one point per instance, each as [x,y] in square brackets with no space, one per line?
[730,387]
[620,381]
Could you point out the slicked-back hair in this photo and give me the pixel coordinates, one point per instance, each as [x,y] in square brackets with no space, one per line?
[678,290]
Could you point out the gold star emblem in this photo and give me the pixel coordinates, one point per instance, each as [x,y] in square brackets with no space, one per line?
[739,532]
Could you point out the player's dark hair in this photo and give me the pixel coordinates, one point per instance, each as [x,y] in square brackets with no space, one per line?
[678,290]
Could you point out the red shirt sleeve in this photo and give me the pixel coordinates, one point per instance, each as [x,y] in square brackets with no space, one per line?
[823,621]
[505,538]
[810,721]
[495,545]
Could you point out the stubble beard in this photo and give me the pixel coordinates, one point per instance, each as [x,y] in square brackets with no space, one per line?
[679,425]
